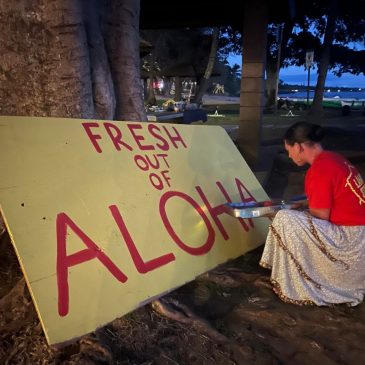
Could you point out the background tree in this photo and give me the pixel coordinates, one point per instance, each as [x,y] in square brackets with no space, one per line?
[230,77]
[306,29]
[317,106]
[329,28]
[203,84]
[184,54]
[172,49]
[151,66]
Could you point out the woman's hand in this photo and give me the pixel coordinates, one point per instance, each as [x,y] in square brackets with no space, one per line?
[300,205]
[271,215]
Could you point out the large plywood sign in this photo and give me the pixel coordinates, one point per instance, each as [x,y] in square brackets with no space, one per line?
[105,216]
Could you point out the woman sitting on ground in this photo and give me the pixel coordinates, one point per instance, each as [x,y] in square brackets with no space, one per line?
[317,256]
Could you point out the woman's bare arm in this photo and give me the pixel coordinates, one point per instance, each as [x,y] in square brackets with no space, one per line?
[320,213]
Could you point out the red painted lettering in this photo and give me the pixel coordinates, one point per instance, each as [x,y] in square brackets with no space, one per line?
[93,137]
[155,164]
[176,138]
[141,162]
[115,135]
[156,181]
[142,266]
[164,146]
[229,200]
[204,248]
[214,212]
[163,155]
[139,138]
[65,261]
[146,162]
[166,177]
[244,193]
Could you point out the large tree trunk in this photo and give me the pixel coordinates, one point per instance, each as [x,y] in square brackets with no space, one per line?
[44,60]
[122,40]
[203,85]
[316,110]
[102,83]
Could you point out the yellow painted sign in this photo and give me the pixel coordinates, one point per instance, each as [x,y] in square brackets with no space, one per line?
[105,216]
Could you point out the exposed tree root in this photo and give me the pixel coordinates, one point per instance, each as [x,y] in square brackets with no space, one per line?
[177,311]
[93,352]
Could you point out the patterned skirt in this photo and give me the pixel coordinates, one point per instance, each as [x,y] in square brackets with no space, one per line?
[315,262]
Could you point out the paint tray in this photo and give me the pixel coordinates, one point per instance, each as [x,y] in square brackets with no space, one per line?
[261,209]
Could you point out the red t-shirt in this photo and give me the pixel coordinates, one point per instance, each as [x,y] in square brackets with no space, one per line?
[333,183]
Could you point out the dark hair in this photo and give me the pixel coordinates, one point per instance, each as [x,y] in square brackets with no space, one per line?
[304,132]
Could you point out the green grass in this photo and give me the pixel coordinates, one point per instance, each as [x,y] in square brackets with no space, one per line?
[231,116]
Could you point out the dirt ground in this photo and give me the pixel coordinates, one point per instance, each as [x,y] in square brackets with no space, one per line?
[227,316]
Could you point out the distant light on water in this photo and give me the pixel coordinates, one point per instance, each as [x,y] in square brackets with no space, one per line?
[353,95]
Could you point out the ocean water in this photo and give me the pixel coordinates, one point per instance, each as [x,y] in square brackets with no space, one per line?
[295,76]
[352,95]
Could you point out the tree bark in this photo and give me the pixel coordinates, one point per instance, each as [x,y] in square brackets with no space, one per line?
[316,110]
[151,98]
[122,40]
[272,78]
[102,83]
[203,85]
[178,88]
[44,62]
[167,86]
[273,66]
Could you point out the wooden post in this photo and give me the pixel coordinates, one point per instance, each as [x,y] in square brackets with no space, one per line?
[252,82]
